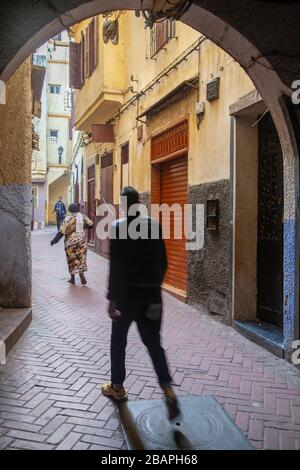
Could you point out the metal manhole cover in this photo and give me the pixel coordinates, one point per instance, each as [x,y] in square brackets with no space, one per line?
[203,424]
[200,428]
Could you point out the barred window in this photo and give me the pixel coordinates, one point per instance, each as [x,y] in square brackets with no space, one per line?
[53,136]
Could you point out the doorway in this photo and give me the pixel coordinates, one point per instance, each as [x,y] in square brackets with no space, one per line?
[257,269]
[269,224]
[91,202]
[170,186]
[106,193]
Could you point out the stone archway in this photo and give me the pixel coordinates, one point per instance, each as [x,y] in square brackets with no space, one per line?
[252,34]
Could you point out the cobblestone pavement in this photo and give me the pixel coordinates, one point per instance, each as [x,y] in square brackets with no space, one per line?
[49,388]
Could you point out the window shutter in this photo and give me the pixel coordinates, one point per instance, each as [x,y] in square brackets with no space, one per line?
[87,53]
[74,68]
[96,41]
[82,59]
[91,47]
[161,29]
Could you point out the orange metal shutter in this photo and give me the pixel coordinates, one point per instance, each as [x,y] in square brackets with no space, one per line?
[173,189]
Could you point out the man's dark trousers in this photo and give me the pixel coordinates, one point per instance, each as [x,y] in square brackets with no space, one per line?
[149,331]
[59,221]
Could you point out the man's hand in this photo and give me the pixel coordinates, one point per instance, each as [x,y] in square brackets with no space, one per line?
[112,311]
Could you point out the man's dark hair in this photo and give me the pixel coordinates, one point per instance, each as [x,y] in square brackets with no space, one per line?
[74,208]
[131,194]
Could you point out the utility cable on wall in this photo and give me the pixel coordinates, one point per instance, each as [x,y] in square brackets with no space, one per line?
[173,66]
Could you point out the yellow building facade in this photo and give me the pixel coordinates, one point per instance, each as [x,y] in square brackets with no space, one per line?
[181,110]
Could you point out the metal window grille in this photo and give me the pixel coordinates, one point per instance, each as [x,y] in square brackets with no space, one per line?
[53,136]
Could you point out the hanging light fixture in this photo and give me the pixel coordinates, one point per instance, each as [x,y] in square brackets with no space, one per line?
[110,29]
[165,9]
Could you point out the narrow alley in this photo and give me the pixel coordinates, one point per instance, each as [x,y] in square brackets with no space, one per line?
[49,388]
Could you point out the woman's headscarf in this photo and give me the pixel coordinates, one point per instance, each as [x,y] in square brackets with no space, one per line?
[74,209]
[79,223]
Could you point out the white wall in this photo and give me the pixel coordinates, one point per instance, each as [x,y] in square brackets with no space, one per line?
[56,113]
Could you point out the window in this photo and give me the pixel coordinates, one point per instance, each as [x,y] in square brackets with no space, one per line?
[40,60]
[58,37]
[91,47]
[161,33]
[53,135]
[54,89]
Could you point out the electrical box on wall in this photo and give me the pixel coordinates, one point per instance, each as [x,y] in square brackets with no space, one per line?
[200,108]
[140,132]
[212,214]
[213,89]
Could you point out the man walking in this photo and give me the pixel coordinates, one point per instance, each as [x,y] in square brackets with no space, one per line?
[61,211]
[137,268]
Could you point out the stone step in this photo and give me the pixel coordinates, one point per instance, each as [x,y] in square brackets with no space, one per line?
[13,323]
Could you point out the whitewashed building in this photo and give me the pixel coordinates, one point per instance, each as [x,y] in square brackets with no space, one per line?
[51,163]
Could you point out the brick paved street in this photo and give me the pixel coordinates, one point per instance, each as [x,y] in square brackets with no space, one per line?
[49,389]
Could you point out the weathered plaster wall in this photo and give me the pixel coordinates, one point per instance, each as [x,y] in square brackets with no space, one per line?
[208,268]
[15,129]
[15,190]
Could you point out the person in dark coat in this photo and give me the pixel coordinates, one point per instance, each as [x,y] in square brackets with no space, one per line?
[61,211]
[137,268]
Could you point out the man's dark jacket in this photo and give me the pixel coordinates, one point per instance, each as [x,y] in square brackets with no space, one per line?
[137,266]
[60,209]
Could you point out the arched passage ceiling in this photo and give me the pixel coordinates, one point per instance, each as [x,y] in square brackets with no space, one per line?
[272,27]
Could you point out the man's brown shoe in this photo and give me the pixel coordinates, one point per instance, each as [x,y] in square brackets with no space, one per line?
[171,403]
[117,395]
